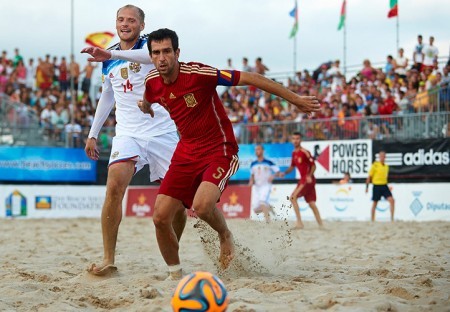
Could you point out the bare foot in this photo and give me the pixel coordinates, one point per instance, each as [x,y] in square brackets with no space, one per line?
[298,226]
[257,210]
[102,270]
[175,276]
[226,250]
[271,210]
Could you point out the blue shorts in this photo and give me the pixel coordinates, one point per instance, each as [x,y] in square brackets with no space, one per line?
[381,191]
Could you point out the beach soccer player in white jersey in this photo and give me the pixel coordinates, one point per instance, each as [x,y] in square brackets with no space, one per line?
[139,139]
[262,172]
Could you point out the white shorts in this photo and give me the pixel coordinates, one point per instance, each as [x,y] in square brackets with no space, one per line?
[155,151]
[262,194]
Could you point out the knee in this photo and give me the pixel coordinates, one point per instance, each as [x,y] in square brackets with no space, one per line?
[161,219]
[202,210]
[115,189]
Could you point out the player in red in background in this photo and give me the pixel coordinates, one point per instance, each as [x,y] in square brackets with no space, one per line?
[304,162]
[206,156]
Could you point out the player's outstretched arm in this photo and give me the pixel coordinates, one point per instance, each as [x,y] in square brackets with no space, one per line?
[97,54]
[306,104]
[283,174]
[100,55]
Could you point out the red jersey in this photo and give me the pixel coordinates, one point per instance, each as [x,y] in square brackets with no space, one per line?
[303,161]
[195,107]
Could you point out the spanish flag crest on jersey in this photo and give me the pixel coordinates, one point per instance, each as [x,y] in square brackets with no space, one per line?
[190,100]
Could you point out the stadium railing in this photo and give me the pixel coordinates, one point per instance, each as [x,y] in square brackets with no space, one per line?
[390,127]
[20,126]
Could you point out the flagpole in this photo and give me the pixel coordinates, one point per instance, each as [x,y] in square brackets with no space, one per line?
[295,55]
[72,83]
[345,44]
[398,40]
[295,29]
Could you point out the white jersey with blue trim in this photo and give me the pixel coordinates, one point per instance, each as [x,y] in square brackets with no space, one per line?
[262,171]
[127,81]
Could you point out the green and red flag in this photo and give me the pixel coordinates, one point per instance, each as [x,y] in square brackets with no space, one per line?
[393,8]
[342,19]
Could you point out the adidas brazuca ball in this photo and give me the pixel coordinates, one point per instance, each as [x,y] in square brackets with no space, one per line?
[200,291]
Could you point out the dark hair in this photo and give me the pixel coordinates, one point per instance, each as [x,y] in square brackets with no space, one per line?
[297,133]
[139,11]
[160,35]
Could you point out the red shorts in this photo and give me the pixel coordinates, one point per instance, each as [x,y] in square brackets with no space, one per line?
[426,66]
[308,191]
[184,177]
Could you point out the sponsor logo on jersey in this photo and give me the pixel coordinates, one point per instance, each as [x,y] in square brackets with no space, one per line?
[172,96]
[111,75]
[190,100]
[135,67]
[124,73]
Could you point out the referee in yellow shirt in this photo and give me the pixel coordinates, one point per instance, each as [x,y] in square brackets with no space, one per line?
[378,174]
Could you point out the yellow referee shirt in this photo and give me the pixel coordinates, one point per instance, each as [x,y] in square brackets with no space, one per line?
[379,173]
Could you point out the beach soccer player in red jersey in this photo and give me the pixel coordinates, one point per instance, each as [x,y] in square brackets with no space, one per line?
[206,155]
[306,187]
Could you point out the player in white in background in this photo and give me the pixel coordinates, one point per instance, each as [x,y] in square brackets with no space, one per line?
[139,139]
[262,173]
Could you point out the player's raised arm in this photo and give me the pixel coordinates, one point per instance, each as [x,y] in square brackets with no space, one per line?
[306,104]
[97,54]
[100,55]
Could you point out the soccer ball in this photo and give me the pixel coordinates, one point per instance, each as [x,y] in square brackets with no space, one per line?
[200,291]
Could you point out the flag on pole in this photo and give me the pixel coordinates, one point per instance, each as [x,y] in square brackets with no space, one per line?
[342,19]
[393,8]
[99,39]
[294,14]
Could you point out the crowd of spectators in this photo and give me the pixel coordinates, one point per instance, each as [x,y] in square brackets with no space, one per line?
[402,86]
[42,91]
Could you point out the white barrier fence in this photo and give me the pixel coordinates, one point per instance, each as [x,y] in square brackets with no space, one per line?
[46,201]
[414,202]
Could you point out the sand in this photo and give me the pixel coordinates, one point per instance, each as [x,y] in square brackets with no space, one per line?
[348,266]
